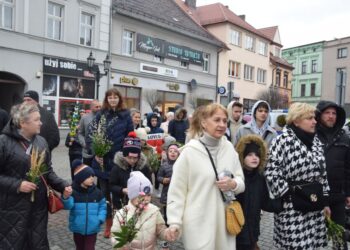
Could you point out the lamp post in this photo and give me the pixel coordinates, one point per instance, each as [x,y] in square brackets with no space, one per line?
[98,75]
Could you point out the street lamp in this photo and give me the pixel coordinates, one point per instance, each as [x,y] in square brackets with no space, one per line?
[98,75]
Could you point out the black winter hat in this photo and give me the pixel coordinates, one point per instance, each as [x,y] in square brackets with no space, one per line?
[251,148]
[32,94]
[81,171]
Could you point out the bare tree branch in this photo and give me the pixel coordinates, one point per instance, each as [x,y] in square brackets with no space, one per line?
[152,98]
[273,97]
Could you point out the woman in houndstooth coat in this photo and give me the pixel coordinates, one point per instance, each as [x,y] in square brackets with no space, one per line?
[297,155]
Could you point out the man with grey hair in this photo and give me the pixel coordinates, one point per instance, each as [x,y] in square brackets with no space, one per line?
[95,106]
[49,129]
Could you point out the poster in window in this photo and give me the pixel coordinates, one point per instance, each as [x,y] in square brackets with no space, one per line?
[49,105]
[50,85]
[77,88]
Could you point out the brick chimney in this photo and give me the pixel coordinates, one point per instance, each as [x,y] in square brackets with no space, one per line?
[191,3]
[242,17]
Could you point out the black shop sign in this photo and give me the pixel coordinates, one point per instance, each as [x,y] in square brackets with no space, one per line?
[59,66]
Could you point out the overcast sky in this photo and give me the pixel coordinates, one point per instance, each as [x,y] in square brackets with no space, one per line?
[299,21]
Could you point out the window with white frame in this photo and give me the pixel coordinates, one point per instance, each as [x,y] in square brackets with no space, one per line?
[262,48]
[342,52]
[235,38]
[313,66]
[128,43]
[206,58]
[303,67]
[248,72]
[6,14]
[261,76]
[86,29]
[234,68]
[249,43]
[55,21]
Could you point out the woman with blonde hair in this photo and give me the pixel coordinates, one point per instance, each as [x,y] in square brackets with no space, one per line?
[297,158]
[195,130]
[23,216]
[195,206]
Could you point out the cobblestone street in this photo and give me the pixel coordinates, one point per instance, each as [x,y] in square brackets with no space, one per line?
[61,238]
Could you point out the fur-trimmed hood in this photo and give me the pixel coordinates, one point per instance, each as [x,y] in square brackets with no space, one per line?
[241,145]
[177,114]
[120,161]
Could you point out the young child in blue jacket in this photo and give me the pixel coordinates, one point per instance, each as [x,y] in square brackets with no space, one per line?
[87,207]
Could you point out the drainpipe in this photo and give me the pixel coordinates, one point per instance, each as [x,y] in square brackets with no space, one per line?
[217,74]
[110,43]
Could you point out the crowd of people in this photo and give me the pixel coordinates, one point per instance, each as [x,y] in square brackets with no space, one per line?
[199,163]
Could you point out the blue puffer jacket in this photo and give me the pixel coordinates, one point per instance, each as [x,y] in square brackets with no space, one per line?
[118,125]
[88,210]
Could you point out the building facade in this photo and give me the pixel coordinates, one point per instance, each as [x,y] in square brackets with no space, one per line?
[308,62]
[335,82]
[245,65]
[43,47]
[161,57]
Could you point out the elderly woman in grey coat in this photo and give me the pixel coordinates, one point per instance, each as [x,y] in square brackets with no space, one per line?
[23,217]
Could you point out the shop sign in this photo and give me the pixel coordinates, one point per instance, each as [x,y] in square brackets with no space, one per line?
[221,90]
[59,66]
[155,46]
[158,70]
[182,53]
[134,81]
[149,45]
[173,86]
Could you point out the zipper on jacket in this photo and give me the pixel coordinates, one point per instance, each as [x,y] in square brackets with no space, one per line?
[87,212]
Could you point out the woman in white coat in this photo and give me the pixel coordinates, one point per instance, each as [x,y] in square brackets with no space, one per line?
[195,206]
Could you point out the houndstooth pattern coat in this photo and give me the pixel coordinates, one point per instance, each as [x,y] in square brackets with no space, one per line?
[290,160]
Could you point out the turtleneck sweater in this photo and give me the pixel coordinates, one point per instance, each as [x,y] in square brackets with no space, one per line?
[212,145]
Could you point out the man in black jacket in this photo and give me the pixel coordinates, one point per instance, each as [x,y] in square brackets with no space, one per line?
[330,120]
[49,129]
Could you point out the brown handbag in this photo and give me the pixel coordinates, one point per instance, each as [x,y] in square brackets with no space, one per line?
[54,201]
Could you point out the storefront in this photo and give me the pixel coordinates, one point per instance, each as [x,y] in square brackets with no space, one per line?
[65,84]
[144,92]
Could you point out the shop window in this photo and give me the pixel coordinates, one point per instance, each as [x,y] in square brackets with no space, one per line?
[66,109]
[77,88]
[168,100]
[50,85]
[131,96]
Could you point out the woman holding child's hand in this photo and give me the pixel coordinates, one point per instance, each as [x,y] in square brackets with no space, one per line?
[195,206]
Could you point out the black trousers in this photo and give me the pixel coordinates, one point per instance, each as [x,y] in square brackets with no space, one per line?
[338,216]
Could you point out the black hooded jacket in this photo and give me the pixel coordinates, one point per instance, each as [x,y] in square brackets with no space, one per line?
[23,224]
[337,152]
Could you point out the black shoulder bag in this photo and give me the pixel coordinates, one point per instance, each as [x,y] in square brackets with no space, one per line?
[307,196]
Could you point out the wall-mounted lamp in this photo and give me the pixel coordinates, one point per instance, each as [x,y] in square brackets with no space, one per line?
[38,74]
